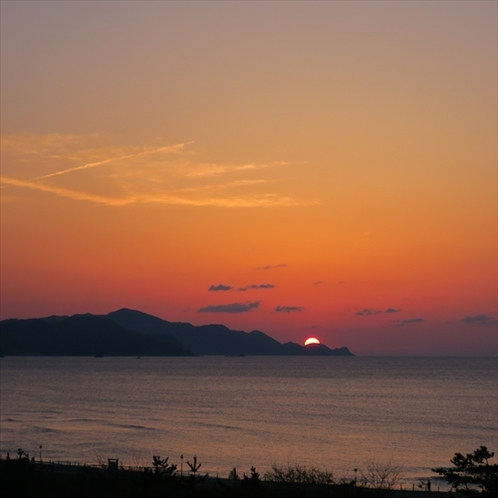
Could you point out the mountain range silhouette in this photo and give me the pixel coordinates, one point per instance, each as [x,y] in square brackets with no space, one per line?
[128,332]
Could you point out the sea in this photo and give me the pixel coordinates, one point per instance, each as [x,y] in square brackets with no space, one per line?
[332,413]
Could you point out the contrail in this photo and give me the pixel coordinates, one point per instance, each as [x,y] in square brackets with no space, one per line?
[171,148]
[63,192]
[166,199]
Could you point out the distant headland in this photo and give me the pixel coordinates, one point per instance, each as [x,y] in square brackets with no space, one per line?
[128,332]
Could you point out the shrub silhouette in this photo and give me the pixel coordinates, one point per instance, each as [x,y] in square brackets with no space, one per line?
[252,481]
[194,469]
[381,475]
[162,468]
[233,476]
[297,474]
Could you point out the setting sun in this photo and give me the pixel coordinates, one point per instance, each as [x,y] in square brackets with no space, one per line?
[311,340]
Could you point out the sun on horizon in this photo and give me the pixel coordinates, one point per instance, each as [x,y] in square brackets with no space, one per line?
[311,340]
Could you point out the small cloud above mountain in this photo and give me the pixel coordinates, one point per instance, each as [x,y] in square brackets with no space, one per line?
[288,309]
[225,288]
[220,287]
[481,319]
[371,311]
[367,312]
[411,320]
[270,267]
[229,308]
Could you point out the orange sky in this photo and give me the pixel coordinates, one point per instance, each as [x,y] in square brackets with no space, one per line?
[333,165]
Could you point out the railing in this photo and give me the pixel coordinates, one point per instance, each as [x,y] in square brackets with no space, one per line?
[75,466]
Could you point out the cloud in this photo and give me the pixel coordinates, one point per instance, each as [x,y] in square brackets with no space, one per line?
[71,194]
[265,200]
[229,308]
[371,311]
[220,287]
[411,320]
[240,183]
[288,309]
[87,168]
[270,267]
[54,144]
[204,169]
[146,152]
[367,312]
[481,319]
[165,199]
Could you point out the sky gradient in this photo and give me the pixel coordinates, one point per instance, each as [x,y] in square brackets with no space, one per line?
[323,169]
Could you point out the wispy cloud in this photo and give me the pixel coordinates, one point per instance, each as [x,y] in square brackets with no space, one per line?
[70,194]
[51,144]
[84,168]
[220,287]
[271,267]
[481,319]
[288,309]
[164,199]
[259,286]
[371,311]
[146,152]
[229,308]
[367,312]
[410,321]
[202,170]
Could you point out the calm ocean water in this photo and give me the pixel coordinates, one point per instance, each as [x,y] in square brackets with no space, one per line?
[329,412]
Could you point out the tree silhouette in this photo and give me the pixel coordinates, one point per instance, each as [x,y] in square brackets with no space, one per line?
[194,466]
[472,471]
[162,468]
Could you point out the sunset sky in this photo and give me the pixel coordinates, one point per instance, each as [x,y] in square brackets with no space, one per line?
[323,169]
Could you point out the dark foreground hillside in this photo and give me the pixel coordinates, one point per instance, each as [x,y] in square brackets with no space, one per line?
[27,479]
